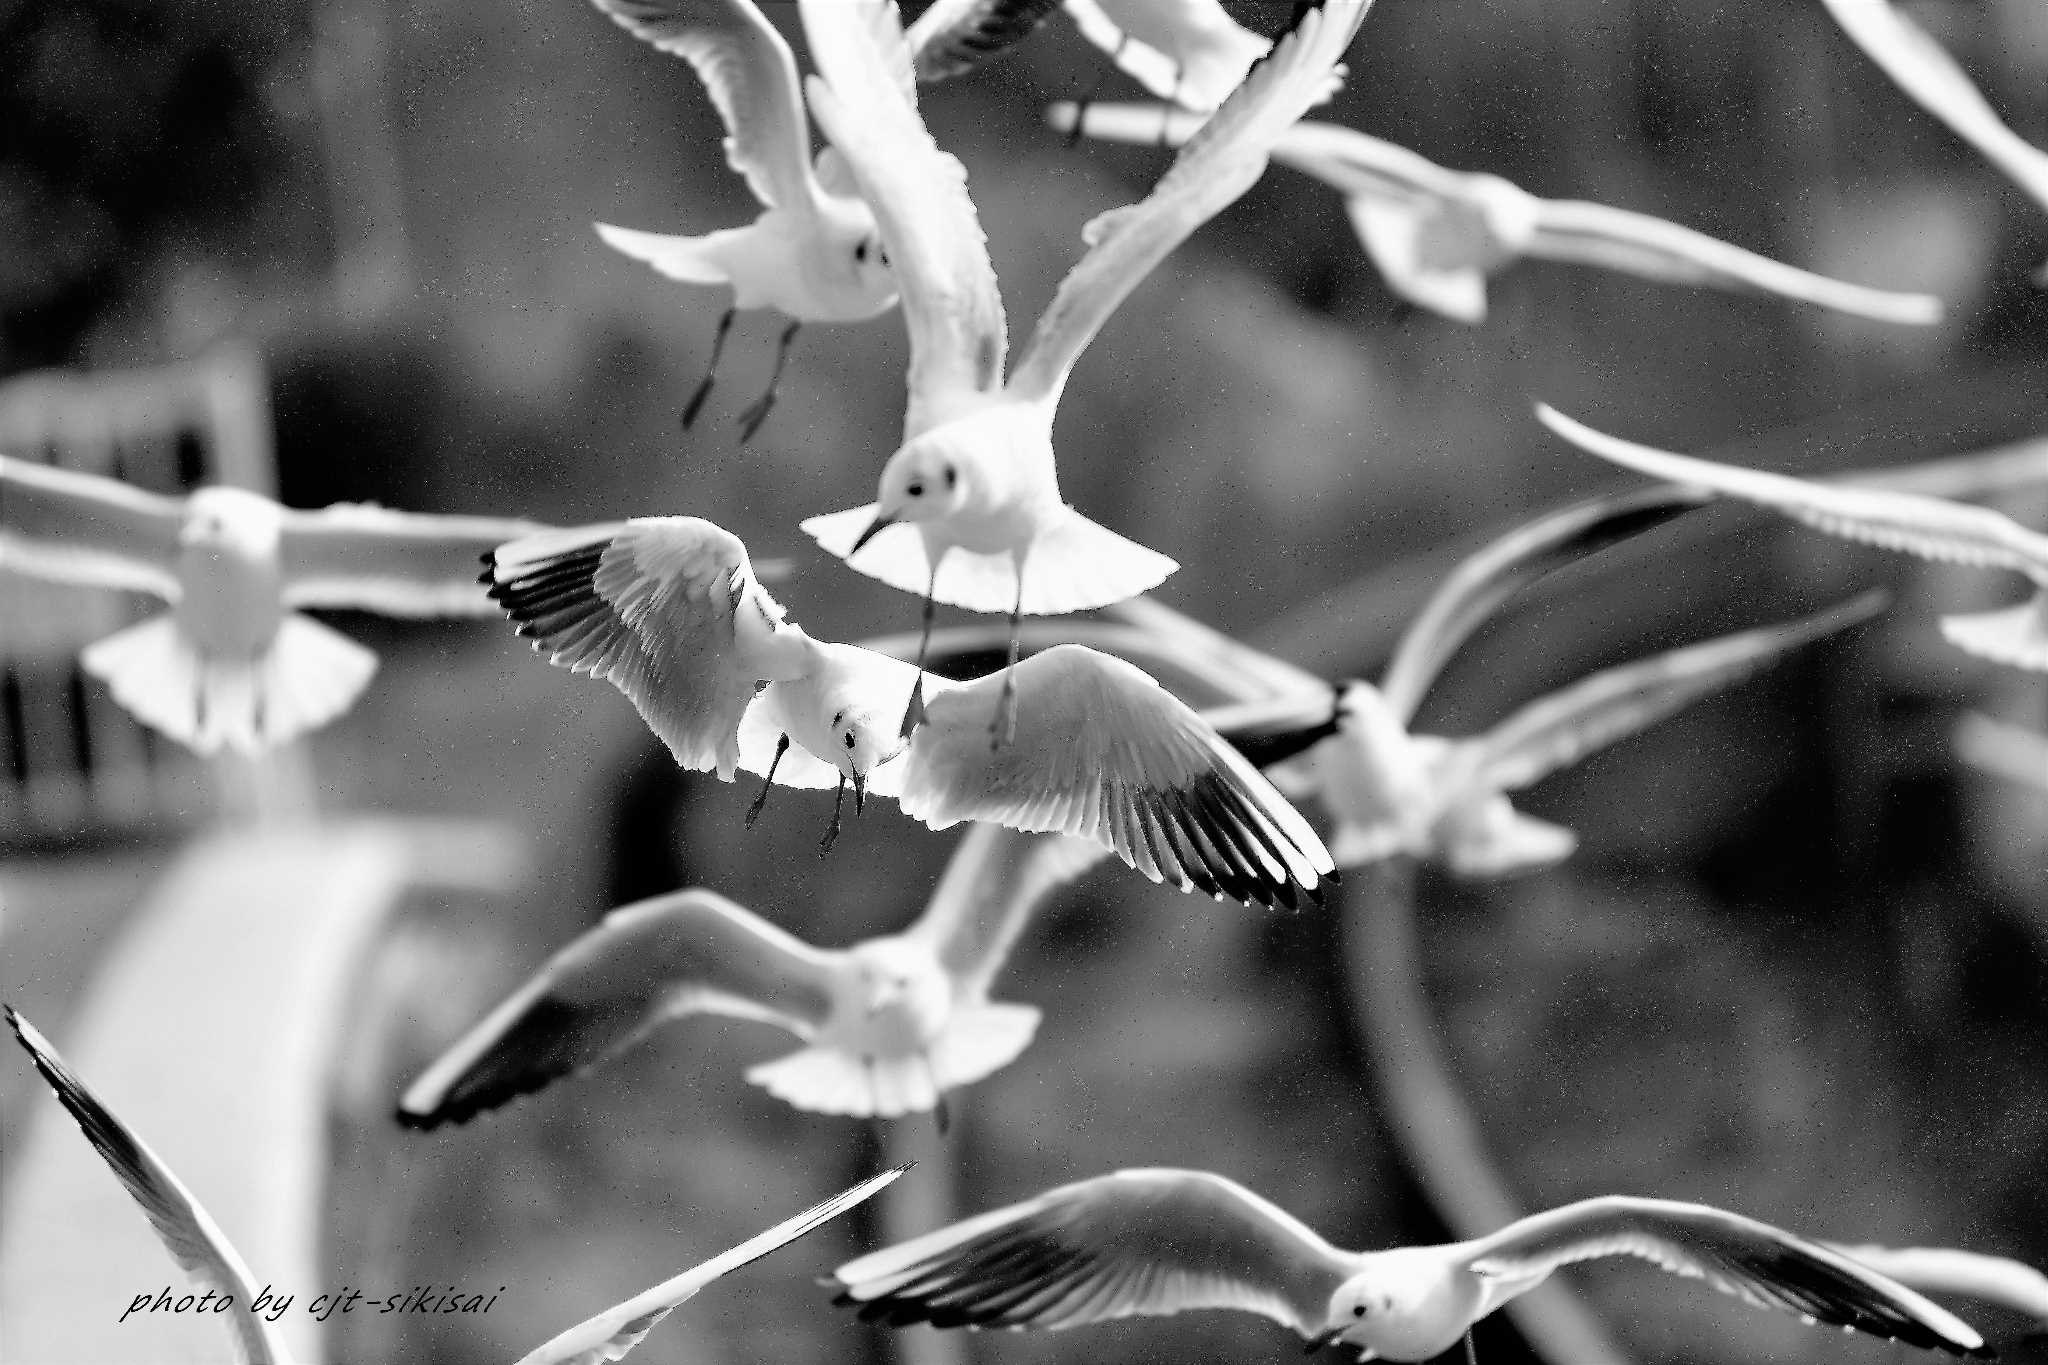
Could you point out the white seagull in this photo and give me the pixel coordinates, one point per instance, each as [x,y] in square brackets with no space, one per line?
[889,1025]
[1394,793]
[1919,66]
[203,1252]
[814,254]
[1156,1242]
[617,1330]
[1931,528]
[666,609]
[191,1237]
[969,508]
[1436,234]
[1188,51]
[1947,1272]
[233,664]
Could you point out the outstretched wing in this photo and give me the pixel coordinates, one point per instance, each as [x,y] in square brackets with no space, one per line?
[1103,752]
[194,1240]
[617,1330]
[1191,52]
[690,952]
[918,193]
[1217,165]
[667,610]
[70,527]
[1958,1274]
[1556,731]
[1931,528]
[996,879]
[1755,1262]
[396,563]
[1143,1243]
[1921,68]
[751,77]
[1618,239]
[955,36]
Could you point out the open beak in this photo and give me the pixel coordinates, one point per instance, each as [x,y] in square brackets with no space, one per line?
[881,520]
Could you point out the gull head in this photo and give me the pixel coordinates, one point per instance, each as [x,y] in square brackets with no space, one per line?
[232,521]
[927,480]
[902,994]
[854,261]
[1400,1308]
[865,734]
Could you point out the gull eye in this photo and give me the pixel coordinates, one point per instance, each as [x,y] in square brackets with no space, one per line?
[849,739]
[883,252]
[860,253]
[915,488]
[952,476]
[1358,1310]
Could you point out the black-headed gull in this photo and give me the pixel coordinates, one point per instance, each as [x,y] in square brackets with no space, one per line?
[1436,234]
[1924,70]
[617,1330]
[889,1025]
[1394,793]
[1931,528]
[969,508]
[233,664]
[665,609]
[813,254]
[1157,1242]
[191,1237]
[1188,51]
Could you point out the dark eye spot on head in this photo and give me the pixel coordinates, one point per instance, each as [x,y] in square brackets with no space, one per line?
[883,252]
[952,476]
[838,716]
[1358,1311]
[915,488]
[860,253]
[849,739]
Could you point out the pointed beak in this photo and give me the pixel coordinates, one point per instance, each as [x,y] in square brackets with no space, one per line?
[882,519]
[1318,1343]
[860,793]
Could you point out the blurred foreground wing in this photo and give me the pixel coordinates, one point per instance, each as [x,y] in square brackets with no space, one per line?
[1926,72]
[663,608]
[80,528]
[1205,53]
[955,36]
[1757,1263]
[192,1238]
[2003,749]
[614,1332]
[1617,239]
[1931,528]
[951,304]
[996,878]
[751,77]
[691,952]
[1960,1274]
[1134,1243]
[396,563]
[1217,165]
[1103,752]
[1556,731]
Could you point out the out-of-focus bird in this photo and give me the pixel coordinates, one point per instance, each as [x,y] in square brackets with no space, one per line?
[1157,1242]
[664,608]
[968,509]
[1188,51]
[1395,793]
[1931,528]
[617,1330]
[1923,69]
[889,1025]
[233,664]
[814,254]
[1998,747]
[1436,234]
[191,1237]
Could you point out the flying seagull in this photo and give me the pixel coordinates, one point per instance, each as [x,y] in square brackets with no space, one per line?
[1157,1242]
[191,1237]
[889,1025]
[1931,528]
[968,509]
[233,664]
[1188,51]
[1396,793]
[667,610]
[1919,66]
[813,255]
[1946,1272]
[617,1330]
[1436,234]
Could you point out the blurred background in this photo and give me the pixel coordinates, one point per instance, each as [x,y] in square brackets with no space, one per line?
[1796,969]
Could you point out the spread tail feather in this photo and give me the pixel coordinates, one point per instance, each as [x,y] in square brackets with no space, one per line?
[1503,842]
[826,1080]
[980,1040]
[2011,635]
[689,259]
[310,675]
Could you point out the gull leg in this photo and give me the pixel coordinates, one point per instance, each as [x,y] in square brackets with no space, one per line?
[758,410]
[913,714]
[768,782]
[838,806]
[1471,1351]
[696,403]
[940,1109]
[1002,727]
